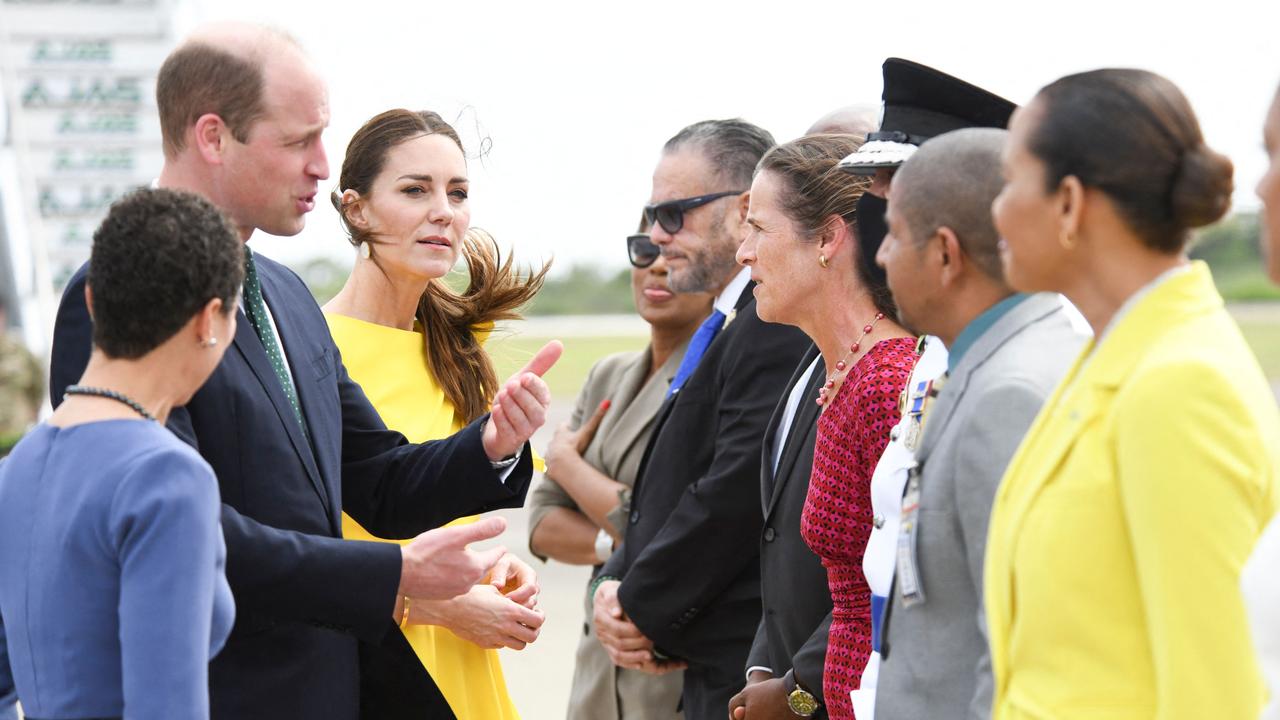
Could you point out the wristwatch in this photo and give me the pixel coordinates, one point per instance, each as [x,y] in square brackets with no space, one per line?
[507,461]
[800,701]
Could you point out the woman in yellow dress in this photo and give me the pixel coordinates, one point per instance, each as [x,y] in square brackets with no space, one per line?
[414,346]
[1120,528]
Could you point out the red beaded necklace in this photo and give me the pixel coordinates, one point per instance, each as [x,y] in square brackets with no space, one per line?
[842,364]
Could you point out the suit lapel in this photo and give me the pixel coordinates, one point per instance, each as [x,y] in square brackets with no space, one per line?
[1082,396]
[625,429]
[255,355]
[768,479]
[1052,434]
[664,412]
[798,434]
[1031,310]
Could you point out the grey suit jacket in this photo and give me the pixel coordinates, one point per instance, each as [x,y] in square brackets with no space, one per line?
[600,690]
[938,664]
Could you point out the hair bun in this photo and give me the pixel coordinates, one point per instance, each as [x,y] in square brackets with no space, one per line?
[1202,188]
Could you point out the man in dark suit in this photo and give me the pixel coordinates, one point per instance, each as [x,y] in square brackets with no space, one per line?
[292,438]
[684,586]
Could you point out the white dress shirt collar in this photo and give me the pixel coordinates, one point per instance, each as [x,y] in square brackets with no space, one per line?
[728,299]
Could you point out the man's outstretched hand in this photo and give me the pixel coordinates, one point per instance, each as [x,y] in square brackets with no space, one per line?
[437,565]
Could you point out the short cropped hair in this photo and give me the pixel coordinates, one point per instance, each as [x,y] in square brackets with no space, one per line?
[158,258]
[199,78]
[733,147]
[951,182]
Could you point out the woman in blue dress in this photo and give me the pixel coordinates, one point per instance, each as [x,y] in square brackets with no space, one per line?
[112,592]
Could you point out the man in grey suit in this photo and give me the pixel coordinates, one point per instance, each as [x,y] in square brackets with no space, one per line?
[1007,353]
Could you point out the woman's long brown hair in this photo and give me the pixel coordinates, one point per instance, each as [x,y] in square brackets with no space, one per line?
[496,291]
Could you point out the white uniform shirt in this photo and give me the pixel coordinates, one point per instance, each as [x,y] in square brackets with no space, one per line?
[888,483]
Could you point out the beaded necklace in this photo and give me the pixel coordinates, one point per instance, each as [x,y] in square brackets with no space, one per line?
[842,364]
[110,395]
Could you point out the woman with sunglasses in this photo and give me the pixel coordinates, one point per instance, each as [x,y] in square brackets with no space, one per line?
[112,585]
[414,345]
[813,271]
[1112,578]
[577,514]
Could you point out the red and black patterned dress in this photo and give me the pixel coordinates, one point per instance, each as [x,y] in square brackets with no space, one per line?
[852,433]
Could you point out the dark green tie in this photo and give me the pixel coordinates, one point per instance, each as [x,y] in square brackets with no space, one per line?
[256,310]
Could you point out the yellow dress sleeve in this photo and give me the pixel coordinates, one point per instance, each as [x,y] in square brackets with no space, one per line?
[1192,488]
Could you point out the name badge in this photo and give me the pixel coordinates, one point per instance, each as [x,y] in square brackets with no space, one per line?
[909,581]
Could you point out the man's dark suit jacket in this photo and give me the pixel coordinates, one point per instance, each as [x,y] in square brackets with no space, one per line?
[689,561]
[797,601]
[303,595]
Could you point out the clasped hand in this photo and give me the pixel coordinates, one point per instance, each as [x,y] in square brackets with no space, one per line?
[764,698]
[626,645]
[502,612]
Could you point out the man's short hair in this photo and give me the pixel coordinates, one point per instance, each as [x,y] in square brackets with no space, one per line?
[733,147]
[848,120]
[201,77]
[158,258]
[951,182]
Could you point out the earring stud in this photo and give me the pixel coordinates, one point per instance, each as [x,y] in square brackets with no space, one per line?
[822,260]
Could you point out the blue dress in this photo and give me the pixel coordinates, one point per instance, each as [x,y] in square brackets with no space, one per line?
[113,596]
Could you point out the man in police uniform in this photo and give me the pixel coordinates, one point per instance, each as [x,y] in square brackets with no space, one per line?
[1007,351]
[919,103]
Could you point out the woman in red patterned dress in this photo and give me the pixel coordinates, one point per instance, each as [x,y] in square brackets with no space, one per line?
[813,272]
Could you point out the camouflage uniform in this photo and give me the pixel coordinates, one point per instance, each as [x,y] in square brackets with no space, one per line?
[21,390]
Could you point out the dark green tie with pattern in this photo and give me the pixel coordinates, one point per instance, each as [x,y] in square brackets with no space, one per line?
[256,310]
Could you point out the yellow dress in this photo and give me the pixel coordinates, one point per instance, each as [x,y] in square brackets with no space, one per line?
[391,366]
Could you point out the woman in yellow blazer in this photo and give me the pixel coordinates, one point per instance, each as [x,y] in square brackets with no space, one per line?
[1119,531]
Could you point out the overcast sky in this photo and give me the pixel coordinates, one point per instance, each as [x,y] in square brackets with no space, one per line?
[577,98]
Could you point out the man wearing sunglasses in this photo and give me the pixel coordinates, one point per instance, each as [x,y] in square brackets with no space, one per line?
[684,586]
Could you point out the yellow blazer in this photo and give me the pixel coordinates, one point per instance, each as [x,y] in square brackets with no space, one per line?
[1120,528]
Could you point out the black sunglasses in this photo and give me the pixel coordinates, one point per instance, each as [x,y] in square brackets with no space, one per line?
[670,214]
[641,251]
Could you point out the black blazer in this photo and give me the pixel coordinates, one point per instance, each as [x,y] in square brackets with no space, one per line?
[689,562]
[303,595]
[796,599]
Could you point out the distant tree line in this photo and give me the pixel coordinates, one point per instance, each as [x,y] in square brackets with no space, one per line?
[1230,247]
[582,290]
[1232,250]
